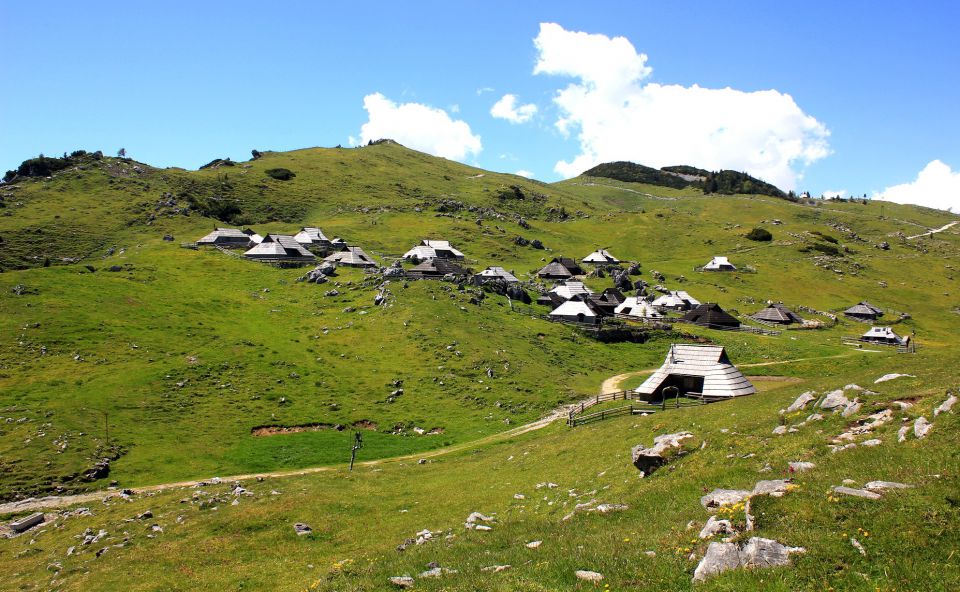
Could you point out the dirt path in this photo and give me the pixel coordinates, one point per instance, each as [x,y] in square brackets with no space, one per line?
[934,231]
[609,385]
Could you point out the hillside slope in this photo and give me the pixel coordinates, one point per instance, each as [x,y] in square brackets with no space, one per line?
[185,364]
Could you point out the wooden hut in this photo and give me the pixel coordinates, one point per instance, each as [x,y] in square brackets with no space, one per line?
[229,238]
[560,268]
[281,249]
[436,269]
[883,336]
[575,310]
[637,308]
[711,315]
[863,311]
[700,370]
[494,273]
[719,264]
[677,300]
[777,313]
[433,249]
[600,257]
[351,257]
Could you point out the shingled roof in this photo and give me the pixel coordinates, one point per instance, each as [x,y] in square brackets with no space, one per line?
[351,257]
[777,313]
[721,379]
[711,315]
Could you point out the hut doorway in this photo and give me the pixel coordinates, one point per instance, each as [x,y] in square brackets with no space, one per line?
[684,384]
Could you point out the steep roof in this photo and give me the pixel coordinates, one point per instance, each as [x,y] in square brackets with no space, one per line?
[864,309]
[572,309]
[719,263]
[554,269]
[224,235]
[777,313]
[279,246]
[352,257]
[676,299]
[710,315]
[432,249]
[569,289]
[721,379]
[310,235]
[637,307]
[600,256]
[498,273]
[438,267]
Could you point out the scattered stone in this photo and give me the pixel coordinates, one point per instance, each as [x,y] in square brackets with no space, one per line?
[800,466]
[872,442]
[650,553]
[902,433]
[301,529]
[773,487]
[834,400]
[801,402]
[857,492]
[921,427]
[483,527]
[780,430]
[714,527]
[887,377]
[519,496]
[723,497]
[496,568]
[856,545]
[648,459]
[852,408]
[946,406]
[533,544]
[719,558]
[402,581]
[607,508]
[885,485]
[589,576]
[145,515]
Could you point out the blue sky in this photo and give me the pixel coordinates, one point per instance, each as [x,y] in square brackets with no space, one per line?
[858,97]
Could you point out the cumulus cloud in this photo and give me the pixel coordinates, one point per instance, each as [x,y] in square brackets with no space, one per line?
[616,115]
[507,108]
[524,173]
[936,186]
[418,126]
[834,193]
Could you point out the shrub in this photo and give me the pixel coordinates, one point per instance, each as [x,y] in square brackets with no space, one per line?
[760,234]
[823,236]
[280,174]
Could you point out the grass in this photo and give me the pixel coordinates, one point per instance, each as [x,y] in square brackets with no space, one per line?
[185,352]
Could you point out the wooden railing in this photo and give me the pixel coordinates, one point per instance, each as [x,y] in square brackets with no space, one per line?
[903,348]
[638,406]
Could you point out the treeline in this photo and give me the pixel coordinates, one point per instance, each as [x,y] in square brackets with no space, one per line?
[44,166]
[726,182]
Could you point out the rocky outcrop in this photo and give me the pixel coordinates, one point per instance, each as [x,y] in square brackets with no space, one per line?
[665,447]
[757,552]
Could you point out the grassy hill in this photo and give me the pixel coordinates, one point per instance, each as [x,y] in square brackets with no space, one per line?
[182,355]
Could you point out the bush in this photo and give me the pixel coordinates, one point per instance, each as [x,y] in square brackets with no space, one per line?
[826,249]
[823,236]
[280,174]
[760,234]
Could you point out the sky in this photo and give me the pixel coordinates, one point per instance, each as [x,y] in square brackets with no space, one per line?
[836,98]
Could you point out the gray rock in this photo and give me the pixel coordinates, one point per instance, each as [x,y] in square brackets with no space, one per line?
[714,527]
[719,558]
[946,406]
[301,529]
[801,402]
[921,427]
[852,408]
[800,466]
[773,487]
[902,433]
[648,459]
[496,568]
[760,552]
[402,581]
[589,576]
[723,497]
[780,430]
[834,400]
[887,377]
[607,508]
[871,442]
[856,492]
[885,485]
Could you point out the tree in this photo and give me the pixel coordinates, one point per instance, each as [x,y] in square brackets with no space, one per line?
[122,153]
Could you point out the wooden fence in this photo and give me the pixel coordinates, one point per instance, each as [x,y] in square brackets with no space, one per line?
[905,348]
[638,406]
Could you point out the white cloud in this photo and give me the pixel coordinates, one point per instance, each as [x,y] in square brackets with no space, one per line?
[524,173]
[615,115]
[831,193]
[454,108]
[507,108]
[484,89]
[418,126]
[936,186]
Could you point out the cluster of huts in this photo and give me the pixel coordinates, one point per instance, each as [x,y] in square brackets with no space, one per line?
[570,300]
